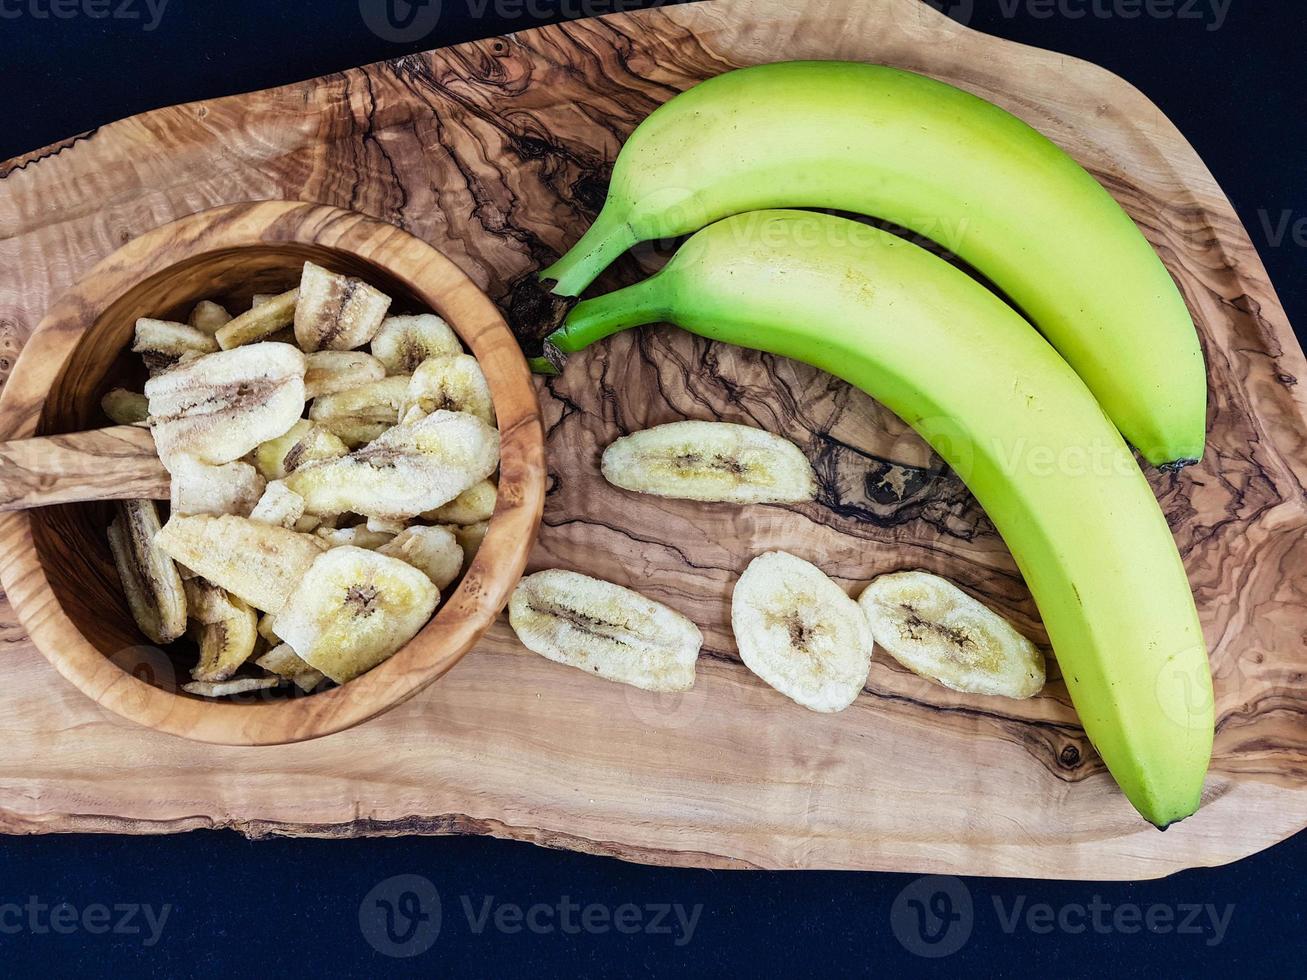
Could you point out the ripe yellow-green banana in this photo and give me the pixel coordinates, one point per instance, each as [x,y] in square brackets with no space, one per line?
[1016,424]
[948,165]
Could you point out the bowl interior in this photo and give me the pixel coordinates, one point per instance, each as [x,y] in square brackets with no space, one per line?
[70,540]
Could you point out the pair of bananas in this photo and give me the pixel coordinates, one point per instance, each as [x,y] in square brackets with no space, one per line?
[1033,424]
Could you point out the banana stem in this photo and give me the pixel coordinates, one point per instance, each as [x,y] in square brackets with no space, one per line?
[594,319]
[598,248]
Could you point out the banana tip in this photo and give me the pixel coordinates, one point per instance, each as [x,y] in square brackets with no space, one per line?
[534,311]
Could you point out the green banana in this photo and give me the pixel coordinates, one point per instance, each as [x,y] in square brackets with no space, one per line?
[1016,424]
[947,165]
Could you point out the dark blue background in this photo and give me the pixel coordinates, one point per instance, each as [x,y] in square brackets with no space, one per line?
[293,906]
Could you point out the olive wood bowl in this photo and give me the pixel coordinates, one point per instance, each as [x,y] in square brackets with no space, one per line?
[55,563]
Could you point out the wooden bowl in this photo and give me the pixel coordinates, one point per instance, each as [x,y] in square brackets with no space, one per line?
[55,563]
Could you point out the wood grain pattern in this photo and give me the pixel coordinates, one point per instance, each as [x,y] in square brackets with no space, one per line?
[53,560]
[115,463]
[498,152]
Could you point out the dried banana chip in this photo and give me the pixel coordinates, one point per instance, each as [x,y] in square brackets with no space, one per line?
[282,661]
[939,632]
[266,628]
[209,317]
[218,408]
[606,630]
[260,563]
[472,506]
[228,629]
[151,582]
[800,632]
[432,550]
[308,523]
[404,342]
[469,537]
[198,488]
[259,322]
[384,526]
[405,471]
[330,371]
[359,415]
[258,299]
[353,609]
[126,407]
[358,536]
[162,343]
[454,383]
[304,442]
[279,505]
[225,689]
[337,312]
[711,461]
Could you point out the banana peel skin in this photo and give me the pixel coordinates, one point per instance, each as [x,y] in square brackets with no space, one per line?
[1015,422]
[952,167]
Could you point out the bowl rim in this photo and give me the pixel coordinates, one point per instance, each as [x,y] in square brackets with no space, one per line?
[463,615]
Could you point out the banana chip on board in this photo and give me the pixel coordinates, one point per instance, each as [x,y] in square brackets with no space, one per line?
[151,582]
[606,630]
[227,630]
[337,312]
[353,609]
[407,470]
[219,407]
[939,632]
[260,563]
[710,461]
[404,342]
[800,632]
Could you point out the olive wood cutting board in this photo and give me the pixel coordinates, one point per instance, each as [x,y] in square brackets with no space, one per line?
[497,152]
